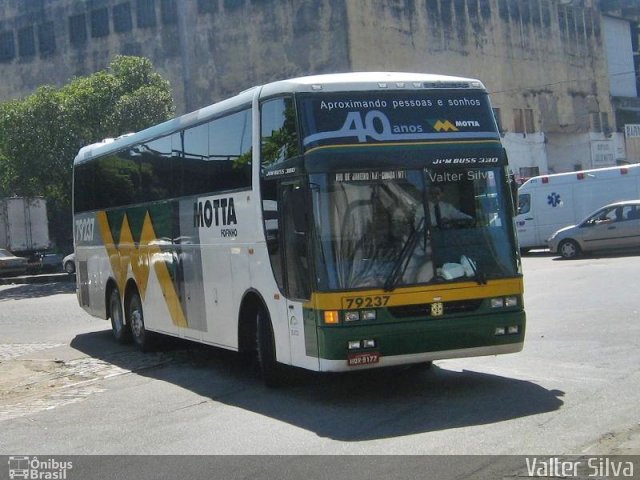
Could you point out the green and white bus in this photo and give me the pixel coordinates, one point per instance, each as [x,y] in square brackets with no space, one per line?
[332,222]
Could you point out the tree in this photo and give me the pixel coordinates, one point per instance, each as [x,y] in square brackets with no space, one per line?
[41,134]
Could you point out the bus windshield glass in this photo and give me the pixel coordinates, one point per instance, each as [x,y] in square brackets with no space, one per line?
[384,229]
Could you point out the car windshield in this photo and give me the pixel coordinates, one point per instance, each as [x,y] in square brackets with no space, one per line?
[4,253]
[383,229]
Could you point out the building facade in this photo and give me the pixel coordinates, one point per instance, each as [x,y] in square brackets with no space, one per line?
[562,74]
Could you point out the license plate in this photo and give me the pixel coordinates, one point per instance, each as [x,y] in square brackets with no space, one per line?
[362,358]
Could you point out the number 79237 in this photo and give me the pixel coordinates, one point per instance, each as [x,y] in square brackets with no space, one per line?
[366,302]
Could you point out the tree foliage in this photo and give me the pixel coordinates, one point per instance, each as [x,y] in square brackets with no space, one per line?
[41,134]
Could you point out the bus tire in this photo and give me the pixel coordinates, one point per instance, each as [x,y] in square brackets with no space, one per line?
[141,337]
[569,249]
[121,331]
[270,369]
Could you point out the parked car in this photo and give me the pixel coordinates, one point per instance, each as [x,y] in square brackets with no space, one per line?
[50,262]
[69,263]
[612,227]
[10,264]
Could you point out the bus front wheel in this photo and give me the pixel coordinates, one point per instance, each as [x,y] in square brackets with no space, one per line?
[121,331]
[269,367]
[135,316]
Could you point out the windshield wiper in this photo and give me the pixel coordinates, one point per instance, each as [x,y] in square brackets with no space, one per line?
[402,262]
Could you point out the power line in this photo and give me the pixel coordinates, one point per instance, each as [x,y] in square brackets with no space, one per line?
[561,82]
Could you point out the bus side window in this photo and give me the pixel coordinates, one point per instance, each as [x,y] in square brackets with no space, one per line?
[295,223]
[271,218]
[279,138]
[278,142]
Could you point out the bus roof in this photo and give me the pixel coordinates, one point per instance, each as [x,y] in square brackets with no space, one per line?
[368,81]
[335,82]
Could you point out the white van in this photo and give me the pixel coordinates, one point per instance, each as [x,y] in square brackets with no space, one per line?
[550,202]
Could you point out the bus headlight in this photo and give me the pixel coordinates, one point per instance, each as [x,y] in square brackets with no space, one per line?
[368,315]
[499,302]
[351,316]
[511,301]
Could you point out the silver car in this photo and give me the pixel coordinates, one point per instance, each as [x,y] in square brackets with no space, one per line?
[10,264]
[612,227]
[69,263]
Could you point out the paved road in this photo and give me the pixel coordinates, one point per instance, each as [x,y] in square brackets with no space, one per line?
[67,388]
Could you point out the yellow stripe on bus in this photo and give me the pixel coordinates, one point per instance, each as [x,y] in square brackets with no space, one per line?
[416,295]
[126,254]
[403,144]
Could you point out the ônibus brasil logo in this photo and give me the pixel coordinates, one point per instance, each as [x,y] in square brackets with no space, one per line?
[37,469]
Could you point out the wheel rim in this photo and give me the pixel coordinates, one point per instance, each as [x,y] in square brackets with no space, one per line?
[69,267]
[137,324]
[568,250]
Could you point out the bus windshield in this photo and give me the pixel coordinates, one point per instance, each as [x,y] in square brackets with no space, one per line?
[384,229]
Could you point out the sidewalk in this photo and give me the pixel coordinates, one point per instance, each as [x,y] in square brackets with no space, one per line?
[41,278]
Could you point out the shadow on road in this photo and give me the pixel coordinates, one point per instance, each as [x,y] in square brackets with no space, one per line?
[599,255]
[36,290]
[542,253]
[360,406]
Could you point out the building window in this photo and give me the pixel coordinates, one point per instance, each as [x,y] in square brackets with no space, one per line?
[146,13]
[46,38]
[77,29]
[604,118]
[122,18]
[100,23]
[528,172]
[26,42]
[523,121]
[232,4]
[7,46]
[207,6]
[169,12]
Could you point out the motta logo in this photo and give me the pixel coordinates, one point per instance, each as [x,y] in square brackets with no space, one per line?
[218,212]
[444,126]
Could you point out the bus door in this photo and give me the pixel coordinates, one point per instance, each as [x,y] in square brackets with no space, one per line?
[295,238]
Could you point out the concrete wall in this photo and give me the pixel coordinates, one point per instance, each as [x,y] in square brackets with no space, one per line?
[533,55]
[207,49]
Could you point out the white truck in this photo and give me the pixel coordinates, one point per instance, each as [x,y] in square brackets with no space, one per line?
[549,202]
[24,227]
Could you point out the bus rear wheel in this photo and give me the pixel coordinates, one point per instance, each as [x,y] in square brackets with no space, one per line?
[272,374]
[121,331]
[135,316]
